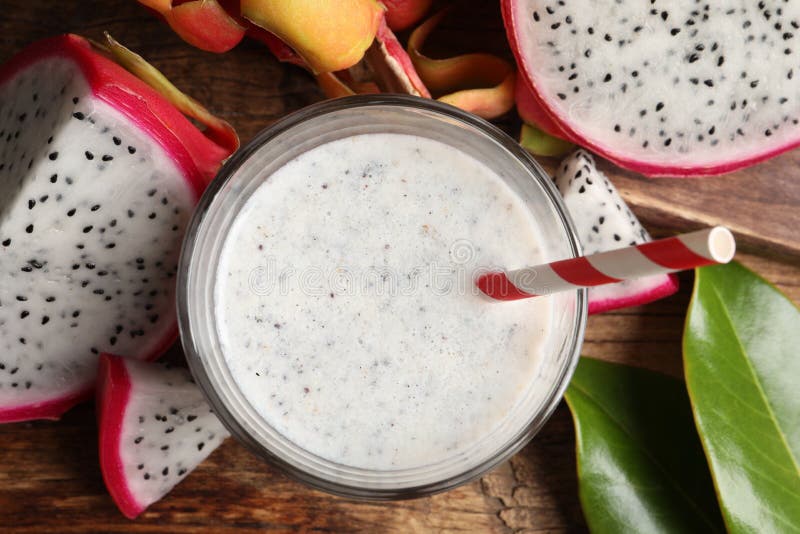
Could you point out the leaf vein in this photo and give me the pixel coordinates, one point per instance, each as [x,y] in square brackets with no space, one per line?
[757,383]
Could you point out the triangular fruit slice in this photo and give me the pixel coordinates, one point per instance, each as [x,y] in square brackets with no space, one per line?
[155,427]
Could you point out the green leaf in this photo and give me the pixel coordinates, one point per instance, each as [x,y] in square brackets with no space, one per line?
[640,464]
[741,352]
[540,143]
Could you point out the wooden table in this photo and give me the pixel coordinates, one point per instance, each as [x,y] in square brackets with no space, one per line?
[49,475]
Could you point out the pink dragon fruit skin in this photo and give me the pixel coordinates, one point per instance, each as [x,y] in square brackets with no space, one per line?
[38,381]
[532,113]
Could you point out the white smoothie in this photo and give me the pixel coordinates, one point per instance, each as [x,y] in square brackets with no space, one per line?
[346,311]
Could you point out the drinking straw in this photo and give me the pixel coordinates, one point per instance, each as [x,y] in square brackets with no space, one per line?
[685,251]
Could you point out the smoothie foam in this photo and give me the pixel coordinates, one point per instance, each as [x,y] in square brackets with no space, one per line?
[345,308]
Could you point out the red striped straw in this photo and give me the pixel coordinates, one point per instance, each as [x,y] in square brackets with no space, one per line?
[686,251]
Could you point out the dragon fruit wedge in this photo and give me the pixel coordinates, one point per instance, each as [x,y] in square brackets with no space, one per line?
[604,222]
[154,429]
[678,88]
[98,176]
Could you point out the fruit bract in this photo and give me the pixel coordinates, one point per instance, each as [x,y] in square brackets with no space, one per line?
[604,222]
[677,89]
[99,174]
[201,23]
[155,427]
[402,14]
[541,143]
[385,67]
[482,84]
[328,35]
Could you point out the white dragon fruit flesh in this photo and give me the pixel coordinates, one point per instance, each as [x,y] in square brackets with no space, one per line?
[155,427]
[98,177]
[664,88]
[604,222]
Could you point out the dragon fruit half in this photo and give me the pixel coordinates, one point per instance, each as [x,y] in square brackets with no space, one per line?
[604,222]
[98,176]
[155,427]
[663,88]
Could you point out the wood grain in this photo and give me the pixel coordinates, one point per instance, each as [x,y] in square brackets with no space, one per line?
[49,478]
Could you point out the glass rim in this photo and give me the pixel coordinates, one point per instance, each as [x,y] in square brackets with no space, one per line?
[190,244]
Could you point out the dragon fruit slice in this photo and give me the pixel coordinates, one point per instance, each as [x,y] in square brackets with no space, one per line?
[155,427]
[604,222]
[676,89]
[98,176]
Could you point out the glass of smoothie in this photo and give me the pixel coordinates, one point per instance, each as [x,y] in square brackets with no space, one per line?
[327,305]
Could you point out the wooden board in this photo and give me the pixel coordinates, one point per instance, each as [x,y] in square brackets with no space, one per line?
[49,478]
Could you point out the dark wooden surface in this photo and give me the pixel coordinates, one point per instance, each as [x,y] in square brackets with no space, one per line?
[49,477]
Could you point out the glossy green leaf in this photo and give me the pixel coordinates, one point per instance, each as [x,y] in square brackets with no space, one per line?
[742,361]
[640,464]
